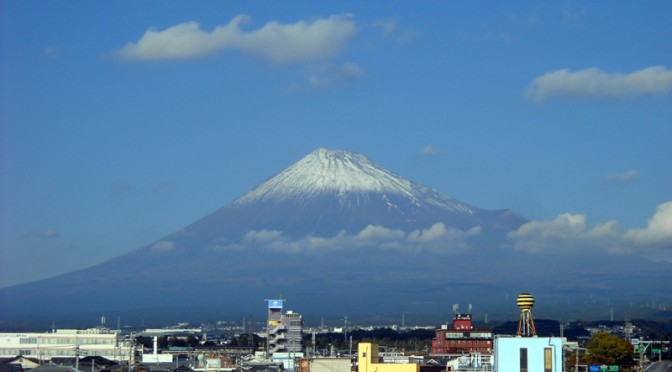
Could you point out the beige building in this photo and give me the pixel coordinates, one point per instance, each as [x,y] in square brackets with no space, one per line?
[369,361]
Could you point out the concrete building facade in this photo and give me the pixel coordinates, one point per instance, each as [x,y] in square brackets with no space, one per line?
[369,360]
[66,343]
[285,330]
[528,354]
[461,338]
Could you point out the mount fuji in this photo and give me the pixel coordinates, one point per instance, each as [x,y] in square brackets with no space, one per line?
[330,193]
[335,234]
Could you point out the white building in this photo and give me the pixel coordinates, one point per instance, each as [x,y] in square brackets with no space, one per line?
[528,354]
[66,343]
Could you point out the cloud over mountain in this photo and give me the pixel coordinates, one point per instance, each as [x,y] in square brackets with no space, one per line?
[658,230]
[276,42]
[572,232]
[436,238]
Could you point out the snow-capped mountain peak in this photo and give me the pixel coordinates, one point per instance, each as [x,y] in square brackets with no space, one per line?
[342,173]
[330,171]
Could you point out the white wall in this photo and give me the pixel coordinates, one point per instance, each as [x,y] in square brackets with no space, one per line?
[507,353]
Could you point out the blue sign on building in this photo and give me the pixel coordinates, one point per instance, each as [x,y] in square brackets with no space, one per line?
[275,304]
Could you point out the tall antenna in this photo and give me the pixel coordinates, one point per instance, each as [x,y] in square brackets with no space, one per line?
[345,328]
[611,314]
[628,326]
[526,324]
[250,333]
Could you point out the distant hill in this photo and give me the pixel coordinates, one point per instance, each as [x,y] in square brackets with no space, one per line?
[336,234]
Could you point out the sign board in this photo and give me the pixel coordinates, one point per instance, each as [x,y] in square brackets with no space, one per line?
[594,369]
[275,304]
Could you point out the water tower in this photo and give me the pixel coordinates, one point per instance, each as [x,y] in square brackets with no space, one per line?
[526,328]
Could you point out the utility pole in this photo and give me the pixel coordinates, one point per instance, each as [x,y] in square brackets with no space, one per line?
[77,358]
[313,342]
[345,329]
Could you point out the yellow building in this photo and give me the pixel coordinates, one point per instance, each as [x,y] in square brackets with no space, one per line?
[369,361]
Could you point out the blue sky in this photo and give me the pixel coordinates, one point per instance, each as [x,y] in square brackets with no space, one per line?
[123,121]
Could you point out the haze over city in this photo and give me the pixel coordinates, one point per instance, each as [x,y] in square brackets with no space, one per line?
[122,122]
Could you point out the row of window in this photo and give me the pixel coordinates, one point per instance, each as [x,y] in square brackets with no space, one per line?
[469,342]
[468,334]
[63,352]
[66,341]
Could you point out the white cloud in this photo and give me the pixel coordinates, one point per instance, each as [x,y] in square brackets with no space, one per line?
[572,232]
[387,27]
[624,177]
[377,233]
[162,246]
[46,234]
[567,231]
[262,235]
[437,231]
[594,82]
[407,36]
[390,29]
[302,41]
[349,71]
[430,150]
[436,238]
[326,76]
[52,52]
[658,230]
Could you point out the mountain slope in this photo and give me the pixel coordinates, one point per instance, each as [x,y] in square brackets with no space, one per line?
[335,234]
[327,192]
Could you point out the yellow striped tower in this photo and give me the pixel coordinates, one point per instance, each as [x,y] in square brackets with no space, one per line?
[526,328]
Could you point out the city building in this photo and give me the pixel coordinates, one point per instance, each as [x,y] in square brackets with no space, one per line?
[369,360]
[522,354]
[67,343]
[461,338]
[527,352]
[284,334]
[325,365]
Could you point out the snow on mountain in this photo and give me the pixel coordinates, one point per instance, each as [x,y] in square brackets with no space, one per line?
[340,174]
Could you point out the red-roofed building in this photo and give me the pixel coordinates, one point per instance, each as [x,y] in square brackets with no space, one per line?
[461,338]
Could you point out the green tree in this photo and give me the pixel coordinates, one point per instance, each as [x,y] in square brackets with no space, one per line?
[191,341]
[605,348]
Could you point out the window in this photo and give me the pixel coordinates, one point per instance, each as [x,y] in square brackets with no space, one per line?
[523,359]
[548,359]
